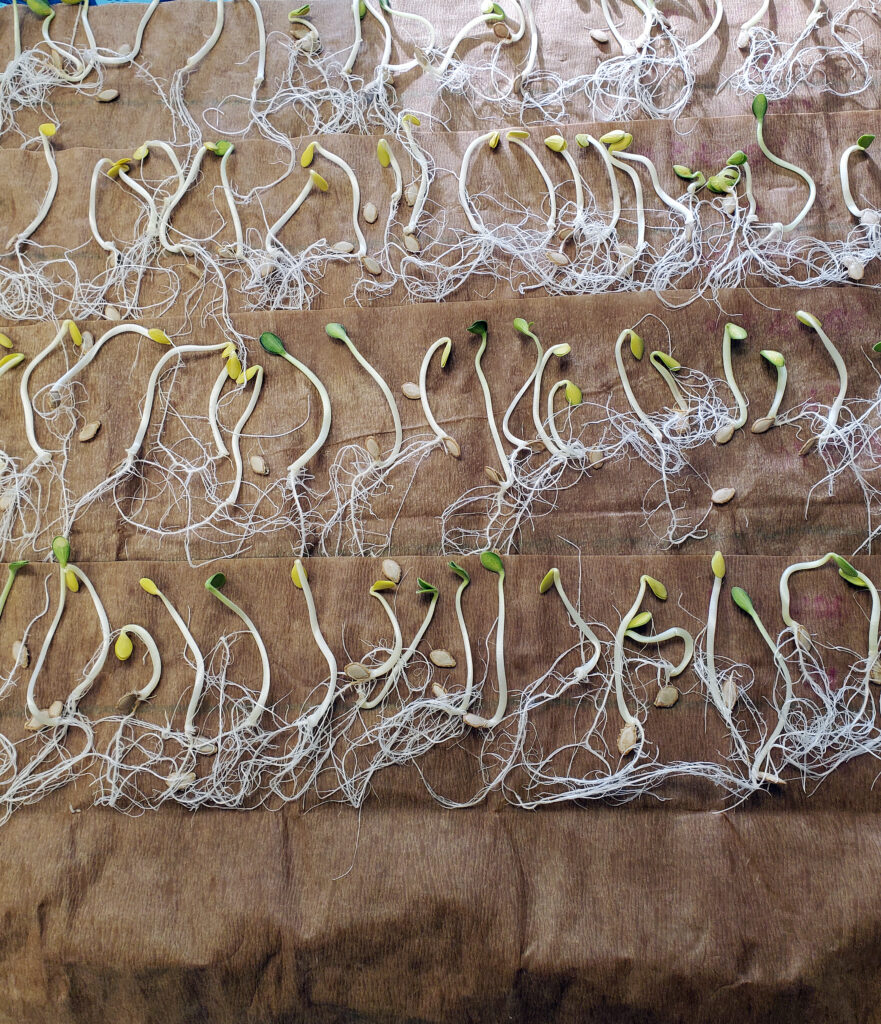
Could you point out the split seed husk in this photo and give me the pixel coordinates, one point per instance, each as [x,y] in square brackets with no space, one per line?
[452,447]
[56,709]
[112,313]
[722,496]
[729,693]
[411,391]
[595,458]
[442,658]
[372,446]
[370,213]
[371,265]
[627,739]
[560,258]
[500,29]
[357,672]
[493,475]
[107,95]
[808,446]
[343,247]
[258,465]
[391,570]
[724,434]
[411,194]
[89,431]
[599,36]
[411,243]
[762,425]
[666,697]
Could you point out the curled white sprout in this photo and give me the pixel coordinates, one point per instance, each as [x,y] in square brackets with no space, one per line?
[272,344]
[151,333]
[557,144]
[856,578]
[227,152]
[636,348]
[666,366]
[315,181]
[464,199]
[518,138]
[526,330]
[585,140]
[442,343]
[732,332]
[107,246]
[213,585]
[486,18]
[417,154]
[559,352]
[298,575]
[40,453]
[211,41]
[867,215]
[632,732]
[306,160]
[481,329]
[684,212]
[68,575]
[174,201]
[119,59]
[394,656]
[760,107]
[438,690]
[832,419]
[409,65]
[46,132]
[199,681]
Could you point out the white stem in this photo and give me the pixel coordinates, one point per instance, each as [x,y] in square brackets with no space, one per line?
[119,59]
[235,441]
[428,45]
[16,30]
[673,633]
[628,391]
[481,19]
[230,200]
[490,415]
[171,205]
[832,419]
[260,705]
[38,715]
[583,627]
[395,674]
[501,707]
[808,180]
[356,194]
[684,212]
[519,442]
[416,154]
[48,198]
[138,189]
[135,447]
[41,454]
[77,694]
[465,200]
[390,400]
[155,660]
[437,689]
[712,30]
[87,357]
[397,643]
[423,389]
[213,401]
[318,443]
[93,208]
[199,681]
[211,41]
[356,42]
[261,46]
[732,383]
[318,713]
[545,177]
[618,661]
[536,397]
[849,200]
[272,241]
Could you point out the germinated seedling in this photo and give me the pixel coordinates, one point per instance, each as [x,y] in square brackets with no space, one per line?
[762,770]
[732,332]
[760,109]
[776,360]
[439,691]
[491,561]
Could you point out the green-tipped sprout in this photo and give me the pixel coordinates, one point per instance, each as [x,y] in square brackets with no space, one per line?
[732,332]
[460,572]
[776,360]
[742,599]
[491,561]
[760,108]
